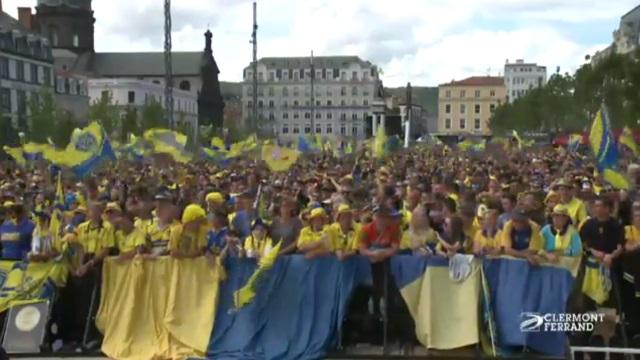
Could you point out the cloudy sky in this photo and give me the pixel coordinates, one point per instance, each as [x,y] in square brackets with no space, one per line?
[426,42]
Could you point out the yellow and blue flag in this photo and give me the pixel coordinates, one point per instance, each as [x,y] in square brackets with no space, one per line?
[245,295]
[88,149]
[218,144]
[626,139]
[574,141]
[25,283]
[379,143]
[164,141]
[242,147]
[602,141]
[17,153]
[279,158]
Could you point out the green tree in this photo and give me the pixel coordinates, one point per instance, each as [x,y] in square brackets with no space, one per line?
[64,128]
[45,116]
[105,112]
[153,115]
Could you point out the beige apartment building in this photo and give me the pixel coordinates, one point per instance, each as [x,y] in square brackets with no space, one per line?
[465,106]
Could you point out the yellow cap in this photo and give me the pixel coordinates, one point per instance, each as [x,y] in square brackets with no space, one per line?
[113,206]
[343,209]
[8,204]
[214,197]
[193,212]
[317,212]
[560,210]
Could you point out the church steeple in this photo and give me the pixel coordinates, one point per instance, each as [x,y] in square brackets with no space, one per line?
[69,24]
[210,103]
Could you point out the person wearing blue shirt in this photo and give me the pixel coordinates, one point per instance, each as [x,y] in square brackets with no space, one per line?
[216,236]
[15,233]
[241,219]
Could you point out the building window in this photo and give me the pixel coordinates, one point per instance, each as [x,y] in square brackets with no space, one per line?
[318,103]
[447,123]
[4,68]
[5,100]
[285,104]
[492,107]
[354,75]
[185,85]
[307,129]
[260,104]
[272,91]
[329,103]
[354,131]
[296,129]
[296,115]
[318,129]
[132,97]
[285,115]
[492,93]
[343,130]
[354,91]
[343,91]
[354,116]
[318,115]
[343,116]
[463,124]
[285,91]
[477,93]
[34,73]
[20,70]
[285,128]
[447,109]
[22,102]
[447,93]
[329,129]
[271,104]
[463,108]
[365,102]
[307,115]
[249,103]
[329,116]
[476,108]
[296,91]
[463,93]
[476,124]
[76,40]
[272,116]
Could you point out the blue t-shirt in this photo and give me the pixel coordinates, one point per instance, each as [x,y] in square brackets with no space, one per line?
[16,239]
[215,239]
[242,224]
[520,238]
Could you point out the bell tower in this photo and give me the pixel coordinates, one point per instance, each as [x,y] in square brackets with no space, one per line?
[68,24]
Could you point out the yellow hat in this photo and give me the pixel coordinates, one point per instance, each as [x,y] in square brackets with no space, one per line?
[214,197]
[560,210]
[113,206]
[193,212]
[8,204]
[344,209]
[317,212]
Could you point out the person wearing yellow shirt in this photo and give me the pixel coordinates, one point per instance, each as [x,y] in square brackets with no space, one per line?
[130,239]
[315,239]
[158,233]
[344,233]
[258,244]
[632,233]
[488,239]
[189,239]
[521,237]
[420,238]
[576,208]
[96,237]
[215,201]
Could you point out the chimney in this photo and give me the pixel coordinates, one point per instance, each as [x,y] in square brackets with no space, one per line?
[25,17]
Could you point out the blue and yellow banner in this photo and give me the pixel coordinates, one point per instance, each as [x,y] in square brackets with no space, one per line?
[24,282]
[164,141]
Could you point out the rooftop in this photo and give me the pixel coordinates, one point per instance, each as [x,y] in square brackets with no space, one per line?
[478,81]
[120,64]
[318,61]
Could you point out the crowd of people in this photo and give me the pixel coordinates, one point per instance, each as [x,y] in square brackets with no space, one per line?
[538,205]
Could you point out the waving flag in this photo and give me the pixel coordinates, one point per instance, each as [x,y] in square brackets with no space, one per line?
[379,143]
[88,149]
[170,142]
[574,141]
[242,147]
[218,144]
[245,295]
[605,150]
[17,154]
[305,146]
[278,158]
[626,139]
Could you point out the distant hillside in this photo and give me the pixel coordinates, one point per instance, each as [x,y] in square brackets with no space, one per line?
[427,97]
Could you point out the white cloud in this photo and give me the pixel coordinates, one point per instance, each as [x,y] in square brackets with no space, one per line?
[422,41]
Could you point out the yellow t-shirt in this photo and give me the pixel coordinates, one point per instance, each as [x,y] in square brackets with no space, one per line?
[577,210]
[129,242]
[309,237]
[262,248]
[411,239]
[632,234]
[487,241]
[95,238]
[158,236]
[342,241]
[188,244]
